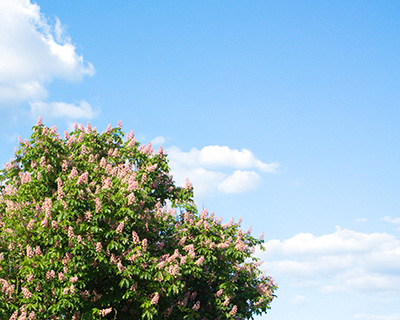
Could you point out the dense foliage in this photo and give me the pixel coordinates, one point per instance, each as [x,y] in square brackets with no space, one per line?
[92,226]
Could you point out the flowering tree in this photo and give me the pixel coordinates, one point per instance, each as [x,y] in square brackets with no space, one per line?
[92,226]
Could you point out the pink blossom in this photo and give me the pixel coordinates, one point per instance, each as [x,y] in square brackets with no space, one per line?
[50,274]
[29,252]
[120,228]
[30,224]
[32,315]
[61,276]
[25,177]
[38,252]
[71,234]
[182,241]
[80,138]
[173,269]
[151,168]
[119,124]
[73,173]
[196,306]
[104,312]
[188,185]
[39,122]
[135,237]
[54,224]
[219,293]
[26,293]
[72,289]
[106,183]
[44,223]
[144,244]
[155,298]
[232,313]
[131,198]
[97,203]
[88,215]
[14,315]
[261,236]
[199,261]
[99,247]
[226,302]
[53,130]
[121,268]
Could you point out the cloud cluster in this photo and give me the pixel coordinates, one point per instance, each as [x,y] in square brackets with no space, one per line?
[345,260]
[34,52]
[218,168]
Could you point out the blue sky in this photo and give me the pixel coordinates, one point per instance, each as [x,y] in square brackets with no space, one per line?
[285,113]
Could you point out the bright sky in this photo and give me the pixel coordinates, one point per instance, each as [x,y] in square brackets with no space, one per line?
[285,113]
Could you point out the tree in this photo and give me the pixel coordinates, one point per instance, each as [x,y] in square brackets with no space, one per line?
[93,226]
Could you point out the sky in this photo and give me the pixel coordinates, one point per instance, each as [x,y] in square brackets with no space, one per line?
[284,113]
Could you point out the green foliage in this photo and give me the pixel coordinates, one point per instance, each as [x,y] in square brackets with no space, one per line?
[93,226]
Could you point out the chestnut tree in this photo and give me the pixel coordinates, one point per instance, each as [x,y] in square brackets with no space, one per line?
[93,226]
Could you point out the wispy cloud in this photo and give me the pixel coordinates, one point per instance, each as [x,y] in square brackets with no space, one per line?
[33,52]
[218,168]
[391,220]
[158,140]
[345,260]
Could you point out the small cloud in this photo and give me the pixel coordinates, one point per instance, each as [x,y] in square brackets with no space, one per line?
[70,111]
[158,141]
[299,300]
[240,181]
[360,220]
[391,220]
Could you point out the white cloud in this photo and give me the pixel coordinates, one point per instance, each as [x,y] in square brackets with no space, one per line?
[158,140]
[360,220]
[299,299]
[391,220]
[240,181]
[345,260]
[82,110]
[210,169]
[217,156]
[33,52]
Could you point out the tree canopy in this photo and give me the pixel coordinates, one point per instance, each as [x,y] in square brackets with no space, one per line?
[93,226]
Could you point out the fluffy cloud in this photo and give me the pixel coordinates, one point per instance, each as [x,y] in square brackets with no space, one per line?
[212,169]
[33,52]
[217,156]
[345,260]
[70,111]
[240,181]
